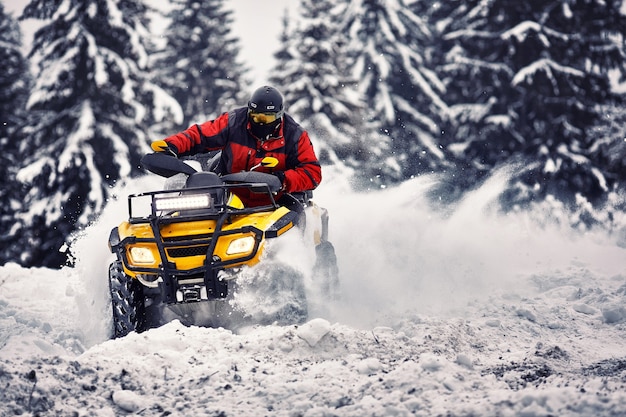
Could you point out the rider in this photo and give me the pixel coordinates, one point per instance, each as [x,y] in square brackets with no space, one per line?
[246,135]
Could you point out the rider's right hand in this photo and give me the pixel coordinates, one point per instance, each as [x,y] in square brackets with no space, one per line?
[162,146]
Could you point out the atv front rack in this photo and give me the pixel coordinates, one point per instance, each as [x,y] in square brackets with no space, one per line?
[217,202]
[186,237]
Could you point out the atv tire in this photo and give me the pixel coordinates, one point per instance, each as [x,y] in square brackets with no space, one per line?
[326,271]
[129,313]
[289,282]
[273,294]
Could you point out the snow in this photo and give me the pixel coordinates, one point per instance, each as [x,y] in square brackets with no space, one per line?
[444,311]
[460,311]
[548,66]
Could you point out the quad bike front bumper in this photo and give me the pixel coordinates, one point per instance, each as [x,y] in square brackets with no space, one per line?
[189,260]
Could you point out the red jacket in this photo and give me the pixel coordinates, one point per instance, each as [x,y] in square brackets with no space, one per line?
[241,150]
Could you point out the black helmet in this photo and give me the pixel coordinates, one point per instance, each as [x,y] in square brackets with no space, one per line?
[266,100]
[265,111]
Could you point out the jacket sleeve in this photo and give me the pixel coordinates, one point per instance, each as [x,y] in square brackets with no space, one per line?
[199,138]
[306,173]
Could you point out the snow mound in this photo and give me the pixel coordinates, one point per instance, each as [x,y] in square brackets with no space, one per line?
[462,313]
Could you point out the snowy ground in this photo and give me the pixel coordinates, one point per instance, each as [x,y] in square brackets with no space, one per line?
[463,313]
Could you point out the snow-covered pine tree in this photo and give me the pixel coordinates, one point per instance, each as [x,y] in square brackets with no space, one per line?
[527,80]
[14,78]
[390,54]
[609,147]
[14,81]
[87,129]
[312,70]
[609,152]
[198,64]
[285,56]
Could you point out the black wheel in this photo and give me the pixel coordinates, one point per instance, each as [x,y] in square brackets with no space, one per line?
[127,300]
[273,293]
[325,270]
[288,284]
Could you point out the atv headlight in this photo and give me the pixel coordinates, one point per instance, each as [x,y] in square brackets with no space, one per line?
[240,245]
[190,202]
[140,255]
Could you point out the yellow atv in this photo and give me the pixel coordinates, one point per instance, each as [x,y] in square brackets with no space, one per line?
[197,254]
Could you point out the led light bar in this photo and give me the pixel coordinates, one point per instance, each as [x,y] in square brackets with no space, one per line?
[190,202]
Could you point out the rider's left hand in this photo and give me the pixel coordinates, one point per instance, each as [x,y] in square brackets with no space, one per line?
[281,177]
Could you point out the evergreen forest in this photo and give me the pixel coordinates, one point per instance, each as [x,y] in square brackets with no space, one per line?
[389,90]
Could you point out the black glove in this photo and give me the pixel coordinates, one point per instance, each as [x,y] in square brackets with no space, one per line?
[281,177]
[163,146]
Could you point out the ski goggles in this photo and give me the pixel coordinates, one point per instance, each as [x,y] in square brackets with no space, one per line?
[263,118]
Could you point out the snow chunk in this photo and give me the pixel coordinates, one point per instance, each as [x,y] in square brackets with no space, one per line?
[493,323]
[29,340]
[313,331]
[614,314]
[369,366]
[430,362]
[584,309]
[464,361]
[128,400]
[527,314]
